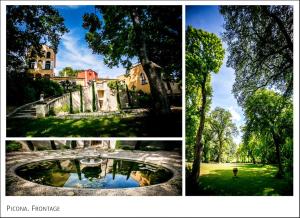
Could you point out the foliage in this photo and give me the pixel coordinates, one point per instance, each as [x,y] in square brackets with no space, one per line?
[68,71]
[144,100]
[30,27]
[63,108]
[204,55]
[116,86]
[223,128]
[71,103]
[269,117]
[22,89]
[260,44]
[13,146]
[151,34]
[81,99]
[94,100]
[116,38]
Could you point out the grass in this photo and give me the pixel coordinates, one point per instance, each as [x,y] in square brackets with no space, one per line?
[251,180]
[97,127]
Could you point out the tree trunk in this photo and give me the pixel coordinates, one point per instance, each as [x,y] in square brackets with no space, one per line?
[71,103]
[199,145]
[158,91]
[128,96]
[31,146]
[278,156]
[53,146]
[220,151]
[118,96]
[157,88]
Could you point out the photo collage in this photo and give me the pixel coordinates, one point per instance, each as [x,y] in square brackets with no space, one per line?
[193,100]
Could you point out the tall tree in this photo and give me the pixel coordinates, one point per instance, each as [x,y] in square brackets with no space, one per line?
[151,34]
[204,55]
[68,71]
[260,44]
[222,125]
[28,27]
[271,115]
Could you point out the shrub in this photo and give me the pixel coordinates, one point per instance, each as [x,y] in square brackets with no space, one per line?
[13,146]
[64,108]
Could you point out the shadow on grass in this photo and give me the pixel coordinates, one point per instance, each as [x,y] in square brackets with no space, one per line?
[149,126]
[251,180]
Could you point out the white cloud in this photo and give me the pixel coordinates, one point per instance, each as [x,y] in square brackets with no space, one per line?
[235,115]
[75,53]
[68,6]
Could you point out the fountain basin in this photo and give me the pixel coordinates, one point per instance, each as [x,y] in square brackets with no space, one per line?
[106,174]
[92,162]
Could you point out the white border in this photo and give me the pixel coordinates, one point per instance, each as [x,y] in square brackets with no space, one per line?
[158,206]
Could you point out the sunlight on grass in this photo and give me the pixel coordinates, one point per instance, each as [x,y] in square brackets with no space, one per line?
[251,180]
[96,127]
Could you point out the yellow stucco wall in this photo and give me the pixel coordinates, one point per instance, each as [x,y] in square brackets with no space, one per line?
[133,80]
[40,62]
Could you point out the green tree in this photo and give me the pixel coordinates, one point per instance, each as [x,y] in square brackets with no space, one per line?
[29,26]
[260,44]
[68,71]
[271,115]
[223,127]
[204,55]
[151,34]
[81,98]
[94,97]
[116,87]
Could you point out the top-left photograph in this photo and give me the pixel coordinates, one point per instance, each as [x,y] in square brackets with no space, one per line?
[93,71]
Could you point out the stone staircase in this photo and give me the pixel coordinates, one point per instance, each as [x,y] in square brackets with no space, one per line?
[26,112]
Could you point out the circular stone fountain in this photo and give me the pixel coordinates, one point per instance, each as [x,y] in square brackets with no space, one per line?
[94,172]
[91,159]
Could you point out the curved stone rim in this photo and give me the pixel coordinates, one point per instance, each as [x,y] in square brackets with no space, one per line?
[171,169]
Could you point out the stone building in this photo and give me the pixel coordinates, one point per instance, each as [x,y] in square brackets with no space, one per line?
[87,75]
[43,66]
[137,80]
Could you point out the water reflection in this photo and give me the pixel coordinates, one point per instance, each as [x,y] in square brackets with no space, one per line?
[111,173]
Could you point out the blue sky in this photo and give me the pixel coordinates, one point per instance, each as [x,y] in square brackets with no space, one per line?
[208,18]
[73,50]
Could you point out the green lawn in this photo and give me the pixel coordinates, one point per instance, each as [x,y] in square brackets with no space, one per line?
[251,180]
[97,127]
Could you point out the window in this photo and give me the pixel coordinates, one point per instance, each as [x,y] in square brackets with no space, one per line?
[47,65]
[32,64]
[48,55]
[143,79]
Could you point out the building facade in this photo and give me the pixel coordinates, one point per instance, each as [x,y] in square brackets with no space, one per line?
[43,66]
[87,75]
[137,80]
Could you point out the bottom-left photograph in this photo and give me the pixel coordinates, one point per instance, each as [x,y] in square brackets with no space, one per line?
[93,168]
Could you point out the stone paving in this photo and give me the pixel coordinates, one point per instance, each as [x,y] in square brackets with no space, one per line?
[16,186]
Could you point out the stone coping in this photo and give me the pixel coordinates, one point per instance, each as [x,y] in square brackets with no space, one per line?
[17,186]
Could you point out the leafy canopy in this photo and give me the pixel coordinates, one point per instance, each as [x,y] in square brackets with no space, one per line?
[112,34]
[260,44]
[28,27]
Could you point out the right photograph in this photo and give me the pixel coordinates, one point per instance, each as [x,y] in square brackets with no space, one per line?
[239,100]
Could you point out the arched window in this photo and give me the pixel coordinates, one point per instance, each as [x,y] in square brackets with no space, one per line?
[47,65]
[143,79]
[32,64]
[48,55]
